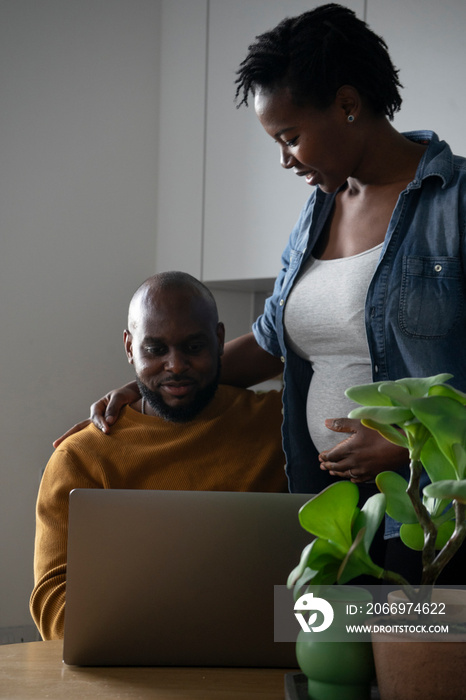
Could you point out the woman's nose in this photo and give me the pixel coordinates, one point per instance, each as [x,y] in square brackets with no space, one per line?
[286,159]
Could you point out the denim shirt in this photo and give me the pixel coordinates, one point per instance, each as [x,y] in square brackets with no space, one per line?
[415,305]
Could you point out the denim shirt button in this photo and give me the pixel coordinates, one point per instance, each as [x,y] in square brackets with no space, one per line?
[376,369]
[438,268]
[282,301]
[282,359]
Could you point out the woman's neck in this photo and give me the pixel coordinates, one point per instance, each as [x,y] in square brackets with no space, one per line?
[388,159]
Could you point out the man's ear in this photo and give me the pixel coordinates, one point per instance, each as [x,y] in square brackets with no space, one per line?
[128,341]
[220,337]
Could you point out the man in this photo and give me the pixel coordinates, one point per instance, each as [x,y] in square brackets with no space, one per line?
[184,432]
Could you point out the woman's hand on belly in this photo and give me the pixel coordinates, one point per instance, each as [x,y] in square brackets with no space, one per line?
[362,454]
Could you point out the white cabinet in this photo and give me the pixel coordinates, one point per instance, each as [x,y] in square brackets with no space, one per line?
[180,138]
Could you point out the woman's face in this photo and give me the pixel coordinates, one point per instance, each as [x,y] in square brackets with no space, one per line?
[318,144]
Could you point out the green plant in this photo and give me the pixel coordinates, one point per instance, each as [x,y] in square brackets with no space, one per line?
[428,417]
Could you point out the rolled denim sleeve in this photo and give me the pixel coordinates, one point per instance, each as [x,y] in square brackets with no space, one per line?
[265,327]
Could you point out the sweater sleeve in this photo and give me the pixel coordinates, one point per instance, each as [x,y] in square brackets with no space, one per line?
[63,473]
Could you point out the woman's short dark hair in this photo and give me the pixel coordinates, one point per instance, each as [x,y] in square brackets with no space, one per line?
[315,54]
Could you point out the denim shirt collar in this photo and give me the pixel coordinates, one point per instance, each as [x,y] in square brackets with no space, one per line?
[437,160]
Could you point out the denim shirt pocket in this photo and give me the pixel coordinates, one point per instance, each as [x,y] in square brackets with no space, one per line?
[431,297]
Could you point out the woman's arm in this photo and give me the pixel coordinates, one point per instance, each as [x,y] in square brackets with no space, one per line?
[245,363]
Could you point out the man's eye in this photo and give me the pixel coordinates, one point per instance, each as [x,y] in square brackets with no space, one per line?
[292,142]
[195,348]
[156,350]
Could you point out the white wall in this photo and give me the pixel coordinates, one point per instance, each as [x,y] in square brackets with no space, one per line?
[426,42]
[78,155]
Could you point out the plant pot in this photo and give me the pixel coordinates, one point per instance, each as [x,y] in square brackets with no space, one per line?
[420,670]
[423,667]
[337,670]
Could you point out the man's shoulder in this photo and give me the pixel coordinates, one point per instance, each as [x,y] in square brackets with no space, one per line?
[91,438]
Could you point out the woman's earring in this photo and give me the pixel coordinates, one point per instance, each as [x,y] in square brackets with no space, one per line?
[350,118]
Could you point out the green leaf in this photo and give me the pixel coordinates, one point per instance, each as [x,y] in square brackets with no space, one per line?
[449,391]
[306,576]
[315,555]
[323,553]
[421,386]
[388,432]
[445,531]
[330,514]
[381,393]
[437,466]
[399,505]
[459,453]
[326,576]
[412,535]
[447,489]
[445,418]
[300,568]
[397,392]
[324,561]
[436,506]
[319,563]
[386,415]
[368,395]
[358,562]
[369,518]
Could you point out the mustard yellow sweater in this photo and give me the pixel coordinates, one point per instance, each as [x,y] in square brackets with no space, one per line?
[233,445]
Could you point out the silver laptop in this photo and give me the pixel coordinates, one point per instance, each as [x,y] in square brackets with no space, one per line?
[178,578]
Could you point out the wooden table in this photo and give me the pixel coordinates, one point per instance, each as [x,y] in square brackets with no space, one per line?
[35,670]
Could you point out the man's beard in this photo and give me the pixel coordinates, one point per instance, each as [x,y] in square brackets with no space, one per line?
[180,414]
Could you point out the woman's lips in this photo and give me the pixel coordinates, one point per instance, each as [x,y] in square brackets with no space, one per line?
[311,176]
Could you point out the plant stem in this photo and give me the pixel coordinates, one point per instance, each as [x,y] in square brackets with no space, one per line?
[425,521]
[415,595]
[453,544]
[393,577]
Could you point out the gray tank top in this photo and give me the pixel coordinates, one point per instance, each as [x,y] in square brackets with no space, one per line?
[324,324]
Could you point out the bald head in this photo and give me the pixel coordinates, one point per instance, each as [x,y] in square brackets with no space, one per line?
[160,287]
[174,341]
